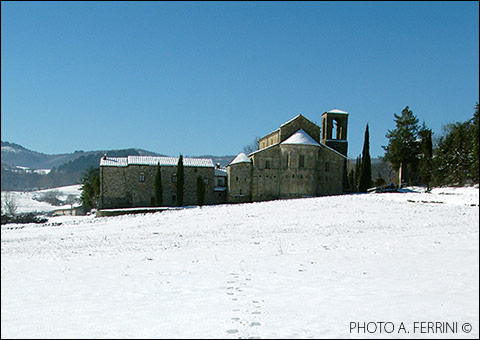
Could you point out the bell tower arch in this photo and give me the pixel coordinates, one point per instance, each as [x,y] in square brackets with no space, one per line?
[334,130]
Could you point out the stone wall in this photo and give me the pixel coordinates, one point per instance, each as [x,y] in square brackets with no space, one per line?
[300,122]
[270,139]
[330,172]
[286,171]
[239,177]
[121,187]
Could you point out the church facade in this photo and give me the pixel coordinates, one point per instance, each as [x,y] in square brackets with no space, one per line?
[297,160]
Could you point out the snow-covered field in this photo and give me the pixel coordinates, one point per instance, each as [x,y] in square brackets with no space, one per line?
[303,268]
[26,203]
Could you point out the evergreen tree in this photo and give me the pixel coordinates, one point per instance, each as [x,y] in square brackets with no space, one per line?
[454,155]
[90,188]
[426,164]
[403,148]
[158,187]
[200,191]
[365,177]
[180,181]
[351,180]
[379,181]
[356,175]
[475,150]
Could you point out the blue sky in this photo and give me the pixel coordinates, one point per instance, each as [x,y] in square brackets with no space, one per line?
[207,78]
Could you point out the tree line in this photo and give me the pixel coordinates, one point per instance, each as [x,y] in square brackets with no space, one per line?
[419,158]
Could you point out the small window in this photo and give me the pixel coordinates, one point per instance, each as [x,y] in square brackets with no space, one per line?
[267,164]
[142,177]
[301,161]
[205,180]
[174,179]
[195,170]
[327,166]
[236,178]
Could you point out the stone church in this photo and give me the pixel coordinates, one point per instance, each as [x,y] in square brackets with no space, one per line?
[297,160]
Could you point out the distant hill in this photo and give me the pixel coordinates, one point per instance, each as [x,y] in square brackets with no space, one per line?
[24,169]
[16,155]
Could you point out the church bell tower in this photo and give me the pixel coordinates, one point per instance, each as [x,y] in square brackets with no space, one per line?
[334,130]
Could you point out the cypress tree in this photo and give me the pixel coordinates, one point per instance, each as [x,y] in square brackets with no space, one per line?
[356,175]
[158,187]
[180,181]
[365,178]
[90,188]
[200,191]
[351,180]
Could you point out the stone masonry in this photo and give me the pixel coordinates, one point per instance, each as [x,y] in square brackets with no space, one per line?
[132,185]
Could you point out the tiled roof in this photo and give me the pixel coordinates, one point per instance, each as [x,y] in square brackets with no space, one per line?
[153,160]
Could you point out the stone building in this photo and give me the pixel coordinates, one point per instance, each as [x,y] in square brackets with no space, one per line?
[296,160]
[130,181]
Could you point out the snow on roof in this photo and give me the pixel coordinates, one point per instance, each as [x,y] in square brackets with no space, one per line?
[220,172]
[113,161]
[153,160]
[241,158]
[291,120]
[337,111]
[300,137]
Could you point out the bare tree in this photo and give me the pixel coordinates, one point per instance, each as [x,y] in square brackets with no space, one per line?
[9,204]
[72,199]
[51,197]
[252,146]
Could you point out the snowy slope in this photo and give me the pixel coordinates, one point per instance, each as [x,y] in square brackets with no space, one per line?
[26,203]
[301,268]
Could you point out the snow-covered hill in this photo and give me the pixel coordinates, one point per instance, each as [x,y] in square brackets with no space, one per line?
[303,268]
[26,200]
